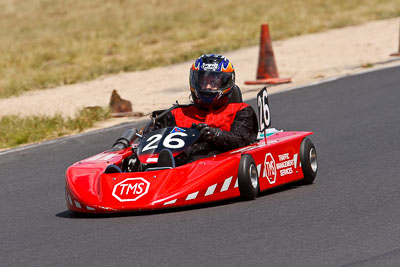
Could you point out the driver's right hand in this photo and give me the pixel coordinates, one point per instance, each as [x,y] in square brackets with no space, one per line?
[207,133]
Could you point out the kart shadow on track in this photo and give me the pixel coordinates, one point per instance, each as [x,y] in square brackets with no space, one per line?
[76,215]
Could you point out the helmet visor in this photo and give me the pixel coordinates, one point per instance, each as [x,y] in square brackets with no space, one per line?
[210,80]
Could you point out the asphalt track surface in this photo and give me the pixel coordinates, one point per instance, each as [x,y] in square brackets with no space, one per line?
[350,216]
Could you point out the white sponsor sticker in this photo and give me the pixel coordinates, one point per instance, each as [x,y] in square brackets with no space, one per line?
[269,168]
[131,189]
[210,66]
[286,165]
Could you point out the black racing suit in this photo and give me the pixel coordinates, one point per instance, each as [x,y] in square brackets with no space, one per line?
[243,131]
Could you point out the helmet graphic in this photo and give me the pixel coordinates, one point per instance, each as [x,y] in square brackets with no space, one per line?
[211,80]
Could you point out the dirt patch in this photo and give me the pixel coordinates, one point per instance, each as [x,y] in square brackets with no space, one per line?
[305,59]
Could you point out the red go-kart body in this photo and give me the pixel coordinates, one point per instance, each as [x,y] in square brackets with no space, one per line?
[282,158]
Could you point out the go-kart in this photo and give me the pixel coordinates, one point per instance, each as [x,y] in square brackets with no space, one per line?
[128,178]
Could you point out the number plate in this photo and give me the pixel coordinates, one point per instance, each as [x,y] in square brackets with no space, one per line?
[264,115]
[173,138]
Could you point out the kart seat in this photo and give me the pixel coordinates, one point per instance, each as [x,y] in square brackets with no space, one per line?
[112,169]
[236,95]
[166,159]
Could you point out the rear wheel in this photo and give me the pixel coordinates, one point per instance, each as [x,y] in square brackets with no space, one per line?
[249,186]
[309,163]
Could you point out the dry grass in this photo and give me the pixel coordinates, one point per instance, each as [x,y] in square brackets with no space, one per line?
[15,131]
[45,43]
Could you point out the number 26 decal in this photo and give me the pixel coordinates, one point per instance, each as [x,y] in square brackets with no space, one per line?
[170,141]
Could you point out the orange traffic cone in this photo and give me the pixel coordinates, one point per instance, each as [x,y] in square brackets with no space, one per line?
[398,53]
[267,73]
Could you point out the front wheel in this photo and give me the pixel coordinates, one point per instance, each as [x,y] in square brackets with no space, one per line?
[308,159]
[249,186]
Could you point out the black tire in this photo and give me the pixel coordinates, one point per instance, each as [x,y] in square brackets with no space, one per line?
[309,163]
[249,185]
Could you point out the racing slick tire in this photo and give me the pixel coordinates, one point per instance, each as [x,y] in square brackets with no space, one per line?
[308,159]
[249,186]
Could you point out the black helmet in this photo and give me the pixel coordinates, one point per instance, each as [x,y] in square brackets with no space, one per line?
[211,80]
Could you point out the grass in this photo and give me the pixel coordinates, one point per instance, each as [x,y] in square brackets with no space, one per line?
[48,43]
[367,65]
[15,131]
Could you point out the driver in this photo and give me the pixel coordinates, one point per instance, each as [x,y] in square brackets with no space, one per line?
[223,125]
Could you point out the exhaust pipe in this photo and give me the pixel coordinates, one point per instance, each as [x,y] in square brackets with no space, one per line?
[125,140]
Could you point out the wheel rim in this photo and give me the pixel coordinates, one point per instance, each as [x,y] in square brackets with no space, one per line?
[313,159]
[253,176]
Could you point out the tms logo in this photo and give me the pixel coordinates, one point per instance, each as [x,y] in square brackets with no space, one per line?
[131,189]
[269,168]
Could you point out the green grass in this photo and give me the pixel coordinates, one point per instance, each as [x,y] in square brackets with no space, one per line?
[15,131]
[45,43]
